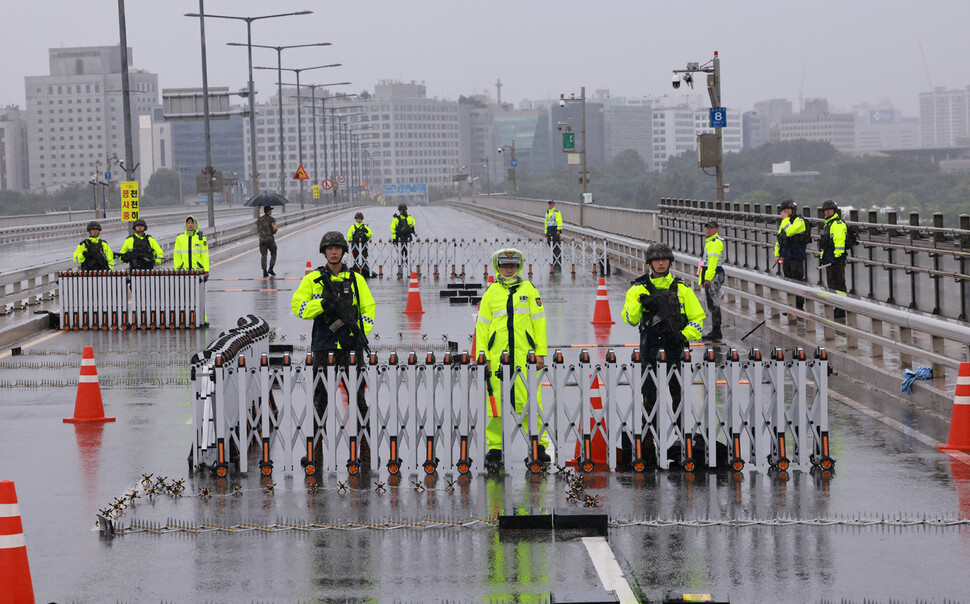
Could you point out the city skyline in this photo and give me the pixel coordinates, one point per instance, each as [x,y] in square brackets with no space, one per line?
[539,50]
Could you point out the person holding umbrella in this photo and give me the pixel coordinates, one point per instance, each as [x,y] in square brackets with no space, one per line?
[266,228]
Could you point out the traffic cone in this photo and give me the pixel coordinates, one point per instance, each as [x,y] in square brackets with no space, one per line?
[601,313]
[309,268]
[14,569]
[959,439]
[414,297]
[598,454]
[88,406]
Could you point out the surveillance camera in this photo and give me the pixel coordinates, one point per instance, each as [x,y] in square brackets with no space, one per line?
[675,82]
[562,102]
[559,127]
[499,149]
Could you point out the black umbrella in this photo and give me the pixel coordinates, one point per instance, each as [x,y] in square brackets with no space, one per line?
[266,198]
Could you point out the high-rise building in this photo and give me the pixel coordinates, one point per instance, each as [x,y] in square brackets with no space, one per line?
[675,131]
[628,127]
[881,128]
[76,117]
[479,139]
[944,116]
[14,174]
[816,123]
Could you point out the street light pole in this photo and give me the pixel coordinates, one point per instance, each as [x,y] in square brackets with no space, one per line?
[208,170]
[584,178]
[488,175]
[254,168]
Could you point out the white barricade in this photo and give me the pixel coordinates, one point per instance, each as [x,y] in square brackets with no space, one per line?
[162,299]
[468,259]
[426,415]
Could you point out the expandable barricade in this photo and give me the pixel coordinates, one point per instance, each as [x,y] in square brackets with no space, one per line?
[428,415]
[460,258]
[138,299]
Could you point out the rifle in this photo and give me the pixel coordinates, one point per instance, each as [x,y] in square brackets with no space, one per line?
[341,310]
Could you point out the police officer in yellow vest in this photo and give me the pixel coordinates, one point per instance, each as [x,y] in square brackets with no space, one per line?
[712,276]
[831,244]
[358,235]
[141,251]
[342,309]
[793,236]
[669,316]
[94,253]
[510,317]
[191,251]
[554,234]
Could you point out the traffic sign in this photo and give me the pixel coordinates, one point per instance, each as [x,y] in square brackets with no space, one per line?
[107,175]
[341,178]
[568,141]
[316,191]
[300,174]
[421,188]
[515,163]
[404,188]
[718,117]
[390,189]
[327,185]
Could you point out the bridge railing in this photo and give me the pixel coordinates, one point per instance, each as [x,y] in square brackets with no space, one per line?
[427,415]
[918,266]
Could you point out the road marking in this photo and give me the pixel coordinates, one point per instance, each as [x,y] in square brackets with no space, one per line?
[34,342]
[897,425]
[608,568]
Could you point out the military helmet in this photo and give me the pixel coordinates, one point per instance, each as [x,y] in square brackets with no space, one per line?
[829,204]
[94,224]
[788,204]
[659,251]
[402,208]
[359,216]
[140,222]
[332,238]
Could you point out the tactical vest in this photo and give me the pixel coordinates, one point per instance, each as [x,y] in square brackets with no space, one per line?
[94,258]
[142,255]
[661,311]
[360,235]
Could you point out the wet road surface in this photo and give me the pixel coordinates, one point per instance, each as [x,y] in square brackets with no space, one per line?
[436,540]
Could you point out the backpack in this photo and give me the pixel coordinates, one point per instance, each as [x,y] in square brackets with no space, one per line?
[360,235]
[805,237]
[851,237]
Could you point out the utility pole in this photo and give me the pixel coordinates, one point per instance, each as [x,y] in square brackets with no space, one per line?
[709,157]
[129,166]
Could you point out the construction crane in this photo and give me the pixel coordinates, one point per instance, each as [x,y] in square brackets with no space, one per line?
[925,67]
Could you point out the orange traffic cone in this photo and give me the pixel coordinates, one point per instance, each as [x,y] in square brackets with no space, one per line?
[88,406]
[598,453]
[601,313]
[414,297]
[309,268]
[959,439]
[14,569]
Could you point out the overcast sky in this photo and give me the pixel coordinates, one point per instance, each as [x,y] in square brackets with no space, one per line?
[851,52]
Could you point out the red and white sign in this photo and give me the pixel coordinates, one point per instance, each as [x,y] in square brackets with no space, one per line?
[327,185]
[341,178]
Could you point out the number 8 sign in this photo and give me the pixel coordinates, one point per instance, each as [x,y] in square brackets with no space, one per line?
[718,117]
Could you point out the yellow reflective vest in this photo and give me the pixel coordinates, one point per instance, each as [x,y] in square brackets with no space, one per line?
[308,300]
[690,306]
[511,316]
[191,251]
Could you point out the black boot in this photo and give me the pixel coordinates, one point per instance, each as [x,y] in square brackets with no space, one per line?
[542,455]
[715,334]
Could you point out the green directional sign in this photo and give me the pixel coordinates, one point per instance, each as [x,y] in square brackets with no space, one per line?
[568,141]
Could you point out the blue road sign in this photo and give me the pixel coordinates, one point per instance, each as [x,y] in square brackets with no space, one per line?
[404,188]
[515,163]
[390,189]
[421,188]
[718,117]
[107,175]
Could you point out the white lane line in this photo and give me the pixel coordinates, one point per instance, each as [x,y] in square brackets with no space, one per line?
[897,425]
[608,568]
[30,343]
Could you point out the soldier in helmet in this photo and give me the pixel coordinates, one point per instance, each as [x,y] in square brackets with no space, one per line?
[341,307]
[357,236]
[793,236]
[831,244]
[93,253]
[141,251]
[668,315]
[510,317]
[402,230]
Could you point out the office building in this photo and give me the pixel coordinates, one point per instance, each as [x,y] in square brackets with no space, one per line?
[816,123]
[76,126]
[14,174]
[944,117]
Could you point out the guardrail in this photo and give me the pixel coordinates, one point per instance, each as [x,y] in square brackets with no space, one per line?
[914,265]
[28,286]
